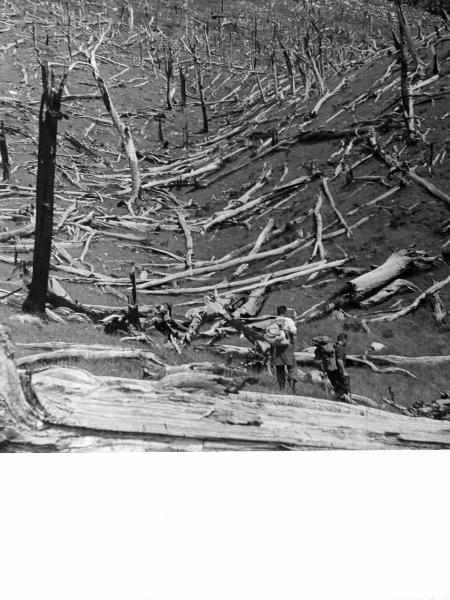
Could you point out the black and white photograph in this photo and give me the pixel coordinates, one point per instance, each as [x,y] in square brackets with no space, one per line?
[224,225]
[224,299]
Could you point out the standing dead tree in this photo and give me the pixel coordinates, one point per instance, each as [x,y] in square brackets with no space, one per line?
[405,33]
[124,130]
[4,153]
[168,67]
[192,51]
[49,115]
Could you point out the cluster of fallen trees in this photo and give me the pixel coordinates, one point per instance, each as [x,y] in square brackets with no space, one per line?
[381,284]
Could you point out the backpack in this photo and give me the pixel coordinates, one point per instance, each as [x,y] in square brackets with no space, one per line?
[325,351]
[276,335]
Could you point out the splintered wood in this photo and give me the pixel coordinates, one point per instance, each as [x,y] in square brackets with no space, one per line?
[58,406]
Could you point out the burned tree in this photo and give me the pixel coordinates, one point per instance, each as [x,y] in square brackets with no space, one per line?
[4,153]
[49,115]
[168,67]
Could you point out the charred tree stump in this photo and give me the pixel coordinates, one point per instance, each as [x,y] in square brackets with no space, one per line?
[133,308]
[49,115]
[4,154]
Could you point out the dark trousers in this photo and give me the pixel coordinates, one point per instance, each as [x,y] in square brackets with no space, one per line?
[286,373]
[339,383]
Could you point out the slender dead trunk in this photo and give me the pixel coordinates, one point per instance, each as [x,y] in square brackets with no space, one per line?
[202,97]
[4,153]
[408,107]
[133,308]
[168,66]
[182,87]
[123,130]
[49,115]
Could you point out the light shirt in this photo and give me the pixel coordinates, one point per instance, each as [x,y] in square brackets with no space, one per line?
[288,324]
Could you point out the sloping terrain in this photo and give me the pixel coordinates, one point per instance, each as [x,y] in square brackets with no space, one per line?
[308,141]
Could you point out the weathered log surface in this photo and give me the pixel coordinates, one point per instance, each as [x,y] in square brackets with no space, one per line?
[79,402]
[398,263]
[68,409]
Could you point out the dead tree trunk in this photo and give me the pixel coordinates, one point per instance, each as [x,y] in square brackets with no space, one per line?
[4,153]
[168,67]
[198,74]
[49,115]
[407,100]
[364,286]
[133,308]
[124,130]
[405,33]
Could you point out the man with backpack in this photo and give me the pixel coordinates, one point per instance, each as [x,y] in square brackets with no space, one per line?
[332,359]
[281,336]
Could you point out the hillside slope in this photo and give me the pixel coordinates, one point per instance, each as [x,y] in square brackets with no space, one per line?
[263,70]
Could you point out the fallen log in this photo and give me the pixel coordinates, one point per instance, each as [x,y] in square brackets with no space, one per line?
[387,292]
[87,353]
[411,307]
[430,187]
[214,268]
[73,409]
[25,231]
[254,302]
[256,248]
[359,289]
[231,213]
[398,263]
[393,359]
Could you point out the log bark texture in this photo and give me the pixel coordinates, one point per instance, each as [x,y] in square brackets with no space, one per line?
[397,264]
[66,409]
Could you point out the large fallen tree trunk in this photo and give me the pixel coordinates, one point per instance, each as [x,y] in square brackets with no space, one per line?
[358,290]
[397,264]
[66,409]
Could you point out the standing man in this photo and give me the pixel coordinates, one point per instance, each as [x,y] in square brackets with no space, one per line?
[333,358]
[283,355]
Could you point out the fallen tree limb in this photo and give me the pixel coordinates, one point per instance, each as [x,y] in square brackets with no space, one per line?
[188,238]
[314,112]
[214,268]
[411,307]
[326,189]
[259,281]
[430,187]
[256,248]
[231,213]
[87,353]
